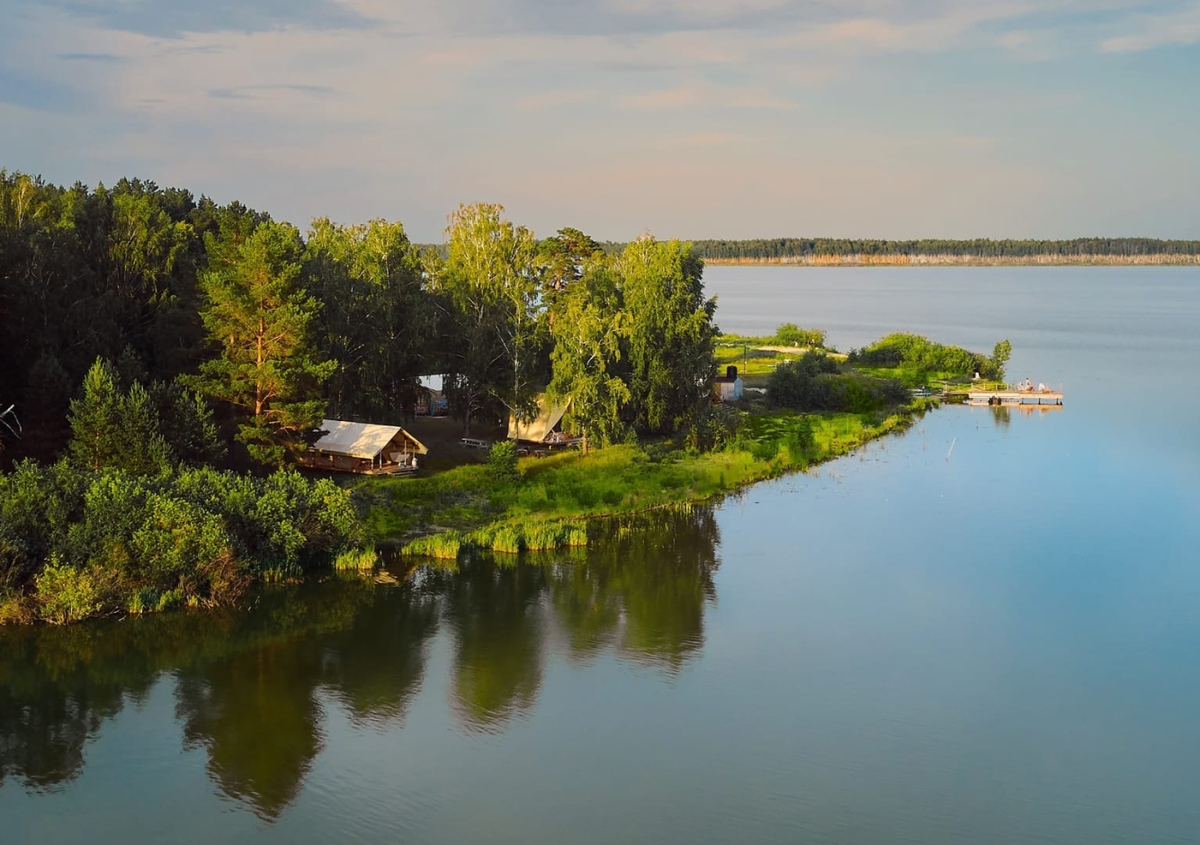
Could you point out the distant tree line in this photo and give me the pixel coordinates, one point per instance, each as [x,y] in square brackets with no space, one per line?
[778,249]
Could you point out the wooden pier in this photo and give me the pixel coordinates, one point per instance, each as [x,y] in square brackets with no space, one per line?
[1015,397]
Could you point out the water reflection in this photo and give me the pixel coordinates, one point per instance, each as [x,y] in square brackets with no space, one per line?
[249,684]
[494,611]
[643,589]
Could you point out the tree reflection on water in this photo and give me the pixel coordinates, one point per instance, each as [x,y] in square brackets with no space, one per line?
[250,685]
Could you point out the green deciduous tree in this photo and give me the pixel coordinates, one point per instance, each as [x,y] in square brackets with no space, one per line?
[589,330]
[490,285]
[671,332]
[377,321]
[258,314]
[1000,356]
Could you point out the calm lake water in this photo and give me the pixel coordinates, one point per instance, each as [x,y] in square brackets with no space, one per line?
[982,631]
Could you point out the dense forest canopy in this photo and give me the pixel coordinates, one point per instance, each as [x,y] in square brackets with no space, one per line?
[154,342]
[221,319]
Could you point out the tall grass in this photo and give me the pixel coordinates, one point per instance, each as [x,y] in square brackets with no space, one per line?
[363,559]
[548,509]
[445,546]
[511,536]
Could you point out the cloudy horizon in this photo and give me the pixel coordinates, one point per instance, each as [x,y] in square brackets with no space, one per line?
[686,118]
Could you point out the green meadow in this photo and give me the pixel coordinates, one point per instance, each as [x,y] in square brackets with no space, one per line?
[548,504]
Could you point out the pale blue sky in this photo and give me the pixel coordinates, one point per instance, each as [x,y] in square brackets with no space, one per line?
[687,118]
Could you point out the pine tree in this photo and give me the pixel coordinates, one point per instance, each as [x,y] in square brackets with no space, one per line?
[96,418]
[142,450]
[259,315]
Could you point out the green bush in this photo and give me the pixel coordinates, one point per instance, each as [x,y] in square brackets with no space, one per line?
[921,353]
[502,463]
[193,536]
[813,382]
[67,594]
[789,334]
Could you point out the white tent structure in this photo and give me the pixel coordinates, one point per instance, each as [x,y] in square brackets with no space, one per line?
[544,428]
[362,447]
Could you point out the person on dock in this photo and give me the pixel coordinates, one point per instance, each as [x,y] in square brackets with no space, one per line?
[1028,385]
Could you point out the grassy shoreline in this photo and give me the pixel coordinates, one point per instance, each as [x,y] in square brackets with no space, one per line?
[442,515]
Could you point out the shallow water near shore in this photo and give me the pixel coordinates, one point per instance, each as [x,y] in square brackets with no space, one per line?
[983,630]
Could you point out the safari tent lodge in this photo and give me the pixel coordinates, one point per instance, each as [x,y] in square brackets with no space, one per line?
[545,431]
[364,448]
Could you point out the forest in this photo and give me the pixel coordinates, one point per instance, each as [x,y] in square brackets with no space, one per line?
[271,329]
[782,249]
[166,358]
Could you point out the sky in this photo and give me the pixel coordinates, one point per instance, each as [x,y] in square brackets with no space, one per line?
[684,118]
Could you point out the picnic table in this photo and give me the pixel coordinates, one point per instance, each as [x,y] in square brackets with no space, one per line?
[475,443]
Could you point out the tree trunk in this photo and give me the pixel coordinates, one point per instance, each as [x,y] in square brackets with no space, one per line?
[258,385]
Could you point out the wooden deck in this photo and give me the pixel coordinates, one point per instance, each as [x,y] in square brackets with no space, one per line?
[1015,397]
[389,469]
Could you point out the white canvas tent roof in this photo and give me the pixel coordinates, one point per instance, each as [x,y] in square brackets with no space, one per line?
[536,431]
[360,440]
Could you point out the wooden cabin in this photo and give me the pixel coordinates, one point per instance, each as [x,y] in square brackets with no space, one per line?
[364,448]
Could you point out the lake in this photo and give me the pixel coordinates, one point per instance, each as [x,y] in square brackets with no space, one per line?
[984,630]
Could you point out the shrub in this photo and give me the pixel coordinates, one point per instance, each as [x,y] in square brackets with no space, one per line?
[502,463]
[177,539]
[143,600]
[921,353]
[711,427]
[789,334]
[196,534]
[16,610]
[67,594]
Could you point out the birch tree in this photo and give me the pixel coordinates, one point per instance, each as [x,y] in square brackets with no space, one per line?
[589,330]
[490,284]
[672,336]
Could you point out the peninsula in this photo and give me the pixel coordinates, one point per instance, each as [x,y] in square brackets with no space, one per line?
[177,368]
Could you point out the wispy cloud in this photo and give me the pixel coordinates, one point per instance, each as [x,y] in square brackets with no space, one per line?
[710,96]
[108,58]
[1150,31]
[250,92]
[545,100]
[404,109]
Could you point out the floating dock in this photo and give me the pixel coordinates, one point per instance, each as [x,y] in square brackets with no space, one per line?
[1015,397]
